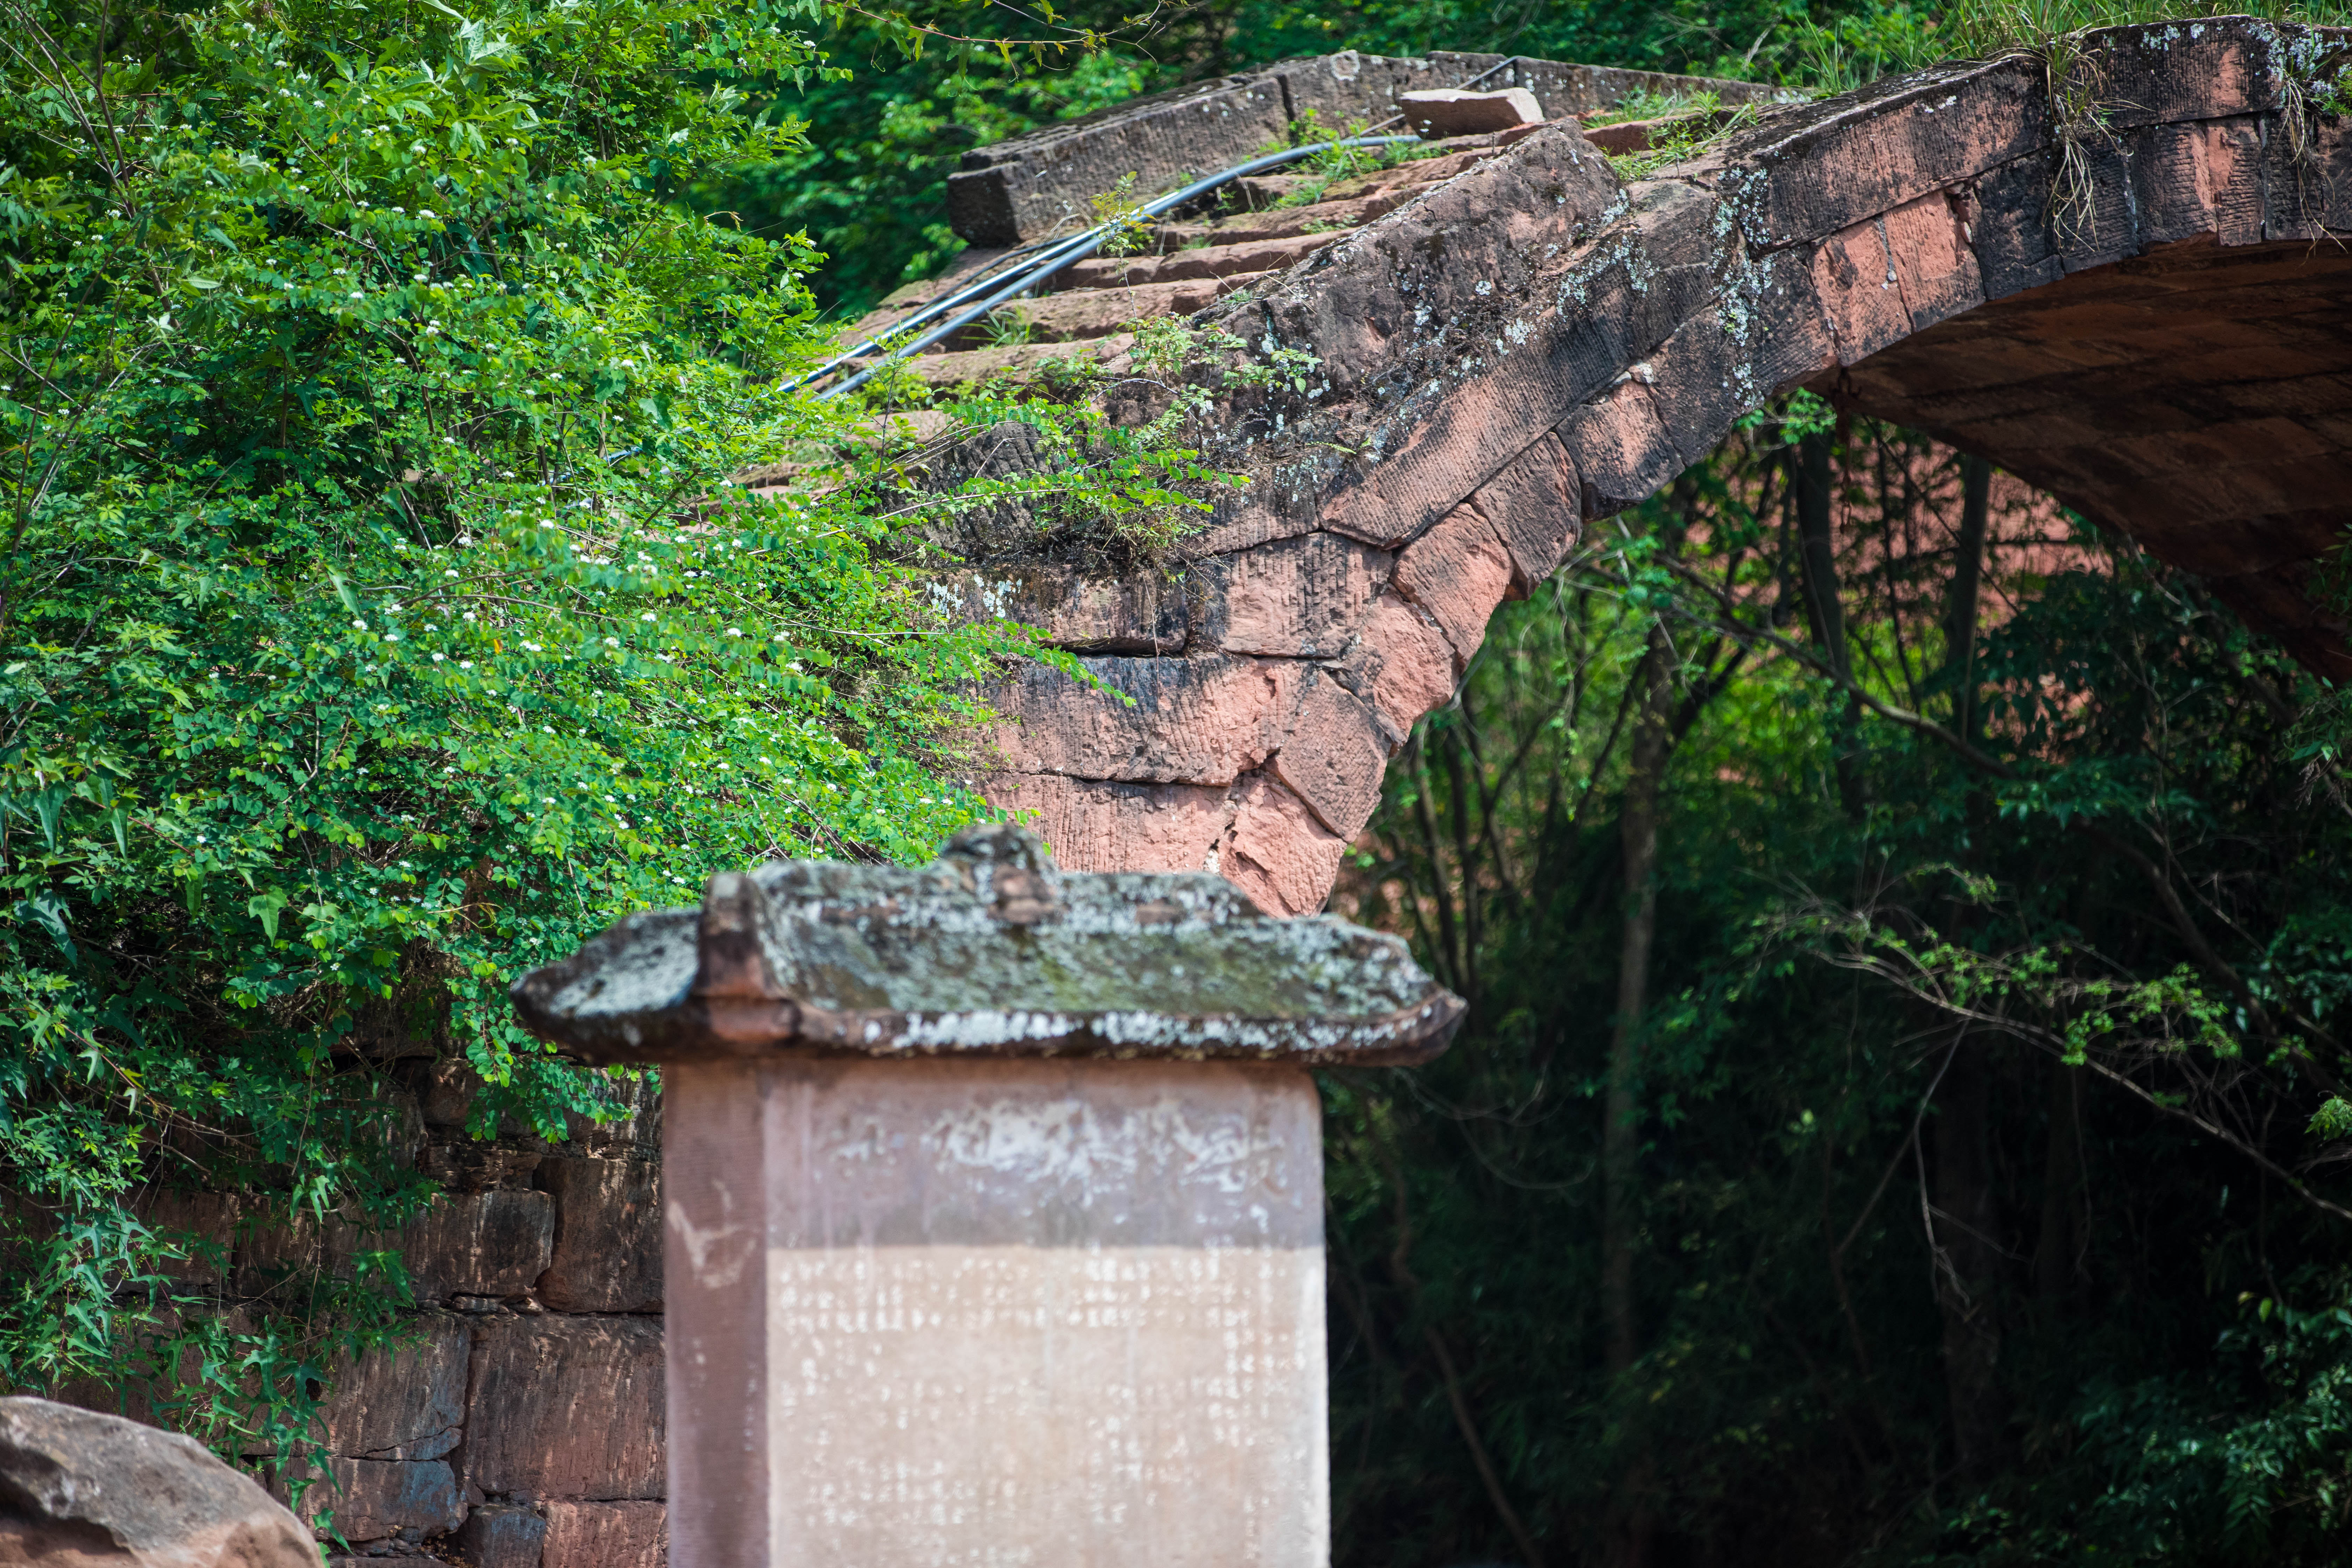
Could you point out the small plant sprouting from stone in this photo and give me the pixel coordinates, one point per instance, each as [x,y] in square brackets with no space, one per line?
[1130,230]
[1007,327]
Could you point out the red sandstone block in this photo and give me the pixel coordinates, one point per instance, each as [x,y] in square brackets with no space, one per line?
[1832,170]
[1296,598]
[1097,313]
[1459,572]
[1332,754]
[1862,298]
[479,1244]
[606,1535]
[1402,665]
[1020,362]
[1531,505]
[1097,827]
[2199,69]
[1134,613]
[1621,449]
[566,1407]
[1701,382]
[1207,261]
[1933,264]
[499,1535]
[1276,852]
[205,1223]
[2199,178]
[607,1256]
[405,1400]
[463,1243]
[367,1500]
[1202,719]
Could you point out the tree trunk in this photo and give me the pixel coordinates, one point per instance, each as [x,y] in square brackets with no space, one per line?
[1968,577]
[1967,1262]
[1621,1132]
[1813,476]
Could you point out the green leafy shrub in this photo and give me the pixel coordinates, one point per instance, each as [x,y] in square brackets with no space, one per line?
[375,619]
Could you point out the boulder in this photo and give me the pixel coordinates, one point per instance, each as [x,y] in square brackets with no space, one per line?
[79,1490]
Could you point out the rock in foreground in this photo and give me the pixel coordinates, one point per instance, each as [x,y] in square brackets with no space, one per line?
[78,1487]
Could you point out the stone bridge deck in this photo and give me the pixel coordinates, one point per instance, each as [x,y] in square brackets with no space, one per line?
[1515,341]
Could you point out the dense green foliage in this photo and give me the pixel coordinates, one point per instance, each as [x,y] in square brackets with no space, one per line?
[377,622]
[1966,1211]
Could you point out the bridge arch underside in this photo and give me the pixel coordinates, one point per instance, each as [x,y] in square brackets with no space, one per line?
[2197,398]
[1533,344]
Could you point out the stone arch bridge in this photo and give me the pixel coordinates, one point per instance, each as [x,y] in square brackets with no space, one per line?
[1515,341]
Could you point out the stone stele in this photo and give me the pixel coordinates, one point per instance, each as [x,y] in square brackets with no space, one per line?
[994,1205]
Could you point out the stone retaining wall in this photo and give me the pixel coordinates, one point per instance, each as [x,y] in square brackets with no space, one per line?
[522,1425]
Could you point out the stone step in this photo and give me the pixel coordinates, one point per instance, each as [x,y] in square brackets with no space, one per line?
[1020,362]
[1207,261]
[1285,222]
[1078,314]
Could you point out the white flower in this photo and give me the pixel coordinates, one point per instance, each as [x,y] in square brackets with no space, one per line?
[646,616]
[438,657]
[448,573]
[465,664]
[547,729]
[426,211]
[612,642]
[359,626]
[734,631]
[392,636]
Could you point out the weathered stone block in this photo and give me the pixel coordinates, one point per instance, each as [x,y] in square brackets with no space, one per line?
[607,1252]
[1141,612]
[369,1499]
[403,1401]
[2199,178]
[1201,719]
[1811,174]
[464,1244]
[1623,451]
[480,1243]
[206,1224]
[1402,665]
[1532,506]
[1277,851]
[566,1407]
[1437,112]
[606,1535]
[503,1535]
[1294,598]
[1332,754]
[1018,189]
[1092,825]
[1459,572]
